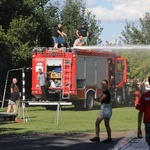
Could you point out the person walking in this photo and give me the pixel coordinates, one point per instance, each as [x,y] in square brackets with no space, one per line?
[105,113]
[83,30]
[42,82]
[12,101]
[58,35]
[144,109]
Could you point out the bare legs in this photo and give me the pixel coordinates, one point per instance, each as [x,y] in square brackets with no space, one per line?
[8,108]
[14,108]
[108,129]
[56,45]
[97,123]
[97,130]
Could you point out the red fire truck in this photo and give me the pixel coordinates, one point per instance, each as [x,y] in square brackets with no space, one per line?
[77,74]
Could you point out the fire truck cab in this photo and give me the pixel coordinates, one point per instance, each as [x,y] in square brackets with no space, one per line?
[77,74]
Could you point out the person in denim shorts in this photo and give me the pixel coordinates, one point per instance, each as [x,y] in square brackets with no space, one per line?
[12,101]
[105,113]
[144,109]
[58,34]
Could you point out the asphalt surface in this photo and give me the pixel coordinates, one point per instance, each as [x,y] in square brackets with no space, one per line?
[133,144]
[68,142]
[52,142]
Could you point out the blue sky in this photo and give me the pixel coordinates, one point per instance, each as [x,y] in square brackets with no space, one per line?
[114,13]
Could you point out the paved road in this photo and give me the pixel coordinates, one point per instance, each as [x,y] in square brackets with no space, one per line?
[59,142]
[52,142]
[134,144]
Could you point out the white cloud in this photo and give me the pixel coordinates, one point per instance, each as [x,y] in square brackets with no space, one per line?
[121,10]
[91,3]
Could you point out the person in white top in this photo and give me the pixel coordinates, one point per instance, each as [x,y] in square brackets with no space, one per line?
[147,86]
[79,41]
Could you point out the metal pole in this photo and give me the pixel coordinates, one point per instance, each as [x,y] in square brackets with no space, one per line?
[23,93]
[58,113]
[5,88]
[23,84]
[23,89]
[6,84]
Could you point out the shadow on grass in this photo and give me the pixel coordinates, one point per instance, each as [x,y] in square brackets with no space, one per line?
[35,108]
[52,142]
[11,130]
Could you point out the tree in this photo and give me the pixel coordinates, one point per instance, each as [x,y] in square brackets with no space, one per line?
[21,38]
[137,35]
[4,54]
[26,24]
[73,14]
[139,62]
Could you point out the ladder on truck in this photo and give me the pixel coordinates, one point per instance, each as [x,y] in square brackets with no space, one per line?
[66,79]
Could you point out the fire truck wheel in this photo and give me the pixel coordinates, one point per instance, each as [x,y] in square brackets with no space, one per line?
[90,101]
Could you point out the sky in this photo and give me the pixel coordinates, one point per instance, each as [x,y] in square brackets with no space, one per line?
[113,15]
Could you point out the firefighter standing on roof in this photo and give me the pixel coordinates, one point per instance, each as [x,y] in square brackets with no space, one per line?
[58,34]
[83,30]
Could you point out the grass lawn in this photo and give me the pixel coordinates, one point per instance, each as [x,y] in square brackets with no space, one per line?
[43,121]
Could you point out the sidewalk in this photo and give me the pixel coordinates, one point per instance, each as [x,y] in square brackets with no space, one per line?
[132,144]
[68,142]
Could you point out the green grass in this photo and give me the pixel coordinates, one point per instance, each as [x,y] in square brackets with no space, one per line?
[43,121]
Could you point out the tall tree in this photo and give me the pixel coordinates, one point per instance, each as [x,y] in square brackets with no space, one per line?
[137,35]
[139,59]
[4,53]
[73,14]
[21,38]
[26,24]
[139,63]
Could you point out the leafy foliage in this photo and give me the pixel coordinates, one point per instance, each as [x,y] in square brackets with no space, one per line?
[137,35]
[26,24]
[21,38]
[4,54]
[73,14]
[139,61]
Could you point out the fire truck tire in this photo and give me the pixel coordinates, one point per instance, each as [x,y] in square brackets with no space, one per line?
[90,101]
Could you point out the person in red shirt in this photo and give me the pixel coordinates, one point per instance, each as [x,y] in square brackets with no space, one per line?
[144,109]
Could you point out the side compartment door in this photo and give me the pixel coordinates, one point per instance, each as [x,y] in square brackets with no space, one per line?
[120,72]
